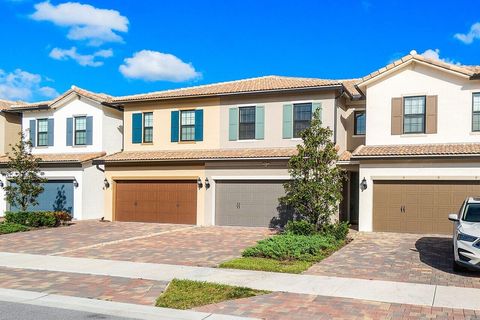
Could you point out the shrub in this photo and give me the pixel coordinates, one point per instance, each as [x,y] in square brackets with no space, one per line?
[62,216]
[11,228]
[293,247]
[338,230]
[33,219]
[19,217]
[300,227]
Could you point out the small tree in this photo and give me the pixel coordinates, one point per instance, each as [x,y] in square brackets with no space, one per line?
[23,173]
[315,189]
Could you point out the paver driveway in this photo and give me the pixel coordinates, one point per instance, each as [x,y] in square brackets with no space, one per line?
[397,257]
[139,242]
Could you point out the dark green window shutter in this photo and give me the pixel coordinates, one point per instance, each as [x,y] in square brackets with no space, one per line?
[33,132]
[89,131]
[233,124]
[50,132]
[174,124]
[287,121]
[259,122]
[315,106]
[199,125]
[69,131]
[136,128]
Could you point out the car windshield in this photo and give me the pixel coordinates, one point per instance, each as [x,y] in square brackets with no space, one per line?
[472,213]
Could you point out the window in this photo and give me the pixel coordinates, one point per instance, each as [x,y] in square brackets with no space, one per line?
[246,123]
[148,127]
[476,112]
[472,213]
[80,131]
[359,124]
[42,135]
[302,115]
[187,125]
[414,114]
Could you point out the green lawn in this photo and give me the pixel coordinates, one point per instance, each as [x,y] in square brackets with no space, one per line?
[186,294]
[266,264]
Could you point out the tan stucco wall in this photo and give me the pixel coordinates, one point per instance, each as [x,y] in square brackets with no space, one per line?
[348,121]
[10,127]
[173,172]
[161,124]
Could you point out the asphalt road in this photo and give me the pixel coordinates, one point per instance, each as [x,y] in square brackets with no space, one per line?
[20,311]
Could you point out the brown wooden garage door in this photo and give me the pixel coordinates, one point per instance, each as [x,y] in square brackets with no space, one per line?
[418,206]
[156,201]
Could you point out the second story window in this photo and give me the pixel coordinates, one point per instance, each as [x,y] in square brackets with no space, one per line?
[476,112]
[302,115]
[80,131]
[246,123]
[187,125]
[148,127]
[414,114]
[42,134]
[360,124]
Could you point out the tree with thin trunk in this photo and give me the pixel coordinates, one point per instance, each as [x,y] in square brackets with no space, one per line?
[315,189]
[24,176]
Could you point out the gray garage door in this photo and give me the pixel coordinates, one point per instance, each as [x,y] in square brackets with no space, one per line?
[249,203]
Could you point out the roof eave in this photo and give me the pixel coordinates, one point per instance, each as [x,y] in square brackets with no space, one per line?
[106,161]
[416,156]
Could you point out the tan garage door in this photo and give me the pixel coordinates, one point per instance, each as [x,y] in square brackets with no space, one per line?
[418,206]
[156,201]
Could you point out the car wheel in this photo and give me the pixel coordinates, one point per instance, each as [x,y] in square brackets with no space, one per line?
[457,267]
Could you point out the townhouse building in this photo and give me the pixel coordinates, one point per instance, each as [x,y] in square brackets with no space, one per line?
[10,125]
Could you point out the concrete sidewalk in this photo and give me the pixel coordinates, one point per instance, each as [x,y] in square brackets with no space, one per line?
[374,290]
[101,307]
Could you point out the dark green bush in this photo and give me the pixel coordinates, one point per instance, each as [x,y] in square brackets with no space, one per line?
[12,227]
[338,230]
[293,247]
[33,219]
[300,227]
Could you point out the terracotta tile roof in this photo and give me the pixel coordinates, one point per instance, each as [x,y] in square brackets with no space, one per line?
[63,157]
[345,156]
[7,104]
[261,84]
[463,69]
[99,97]
[167,155]
[420,150]
[351,88]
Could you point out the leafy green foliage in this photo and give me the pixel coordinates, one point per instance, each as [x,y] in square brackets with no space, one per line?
[6,227]
[300,227]
[33,219]
[23,174]
[315,189]
[293,247]
[338,230]
[187,294]
[266,264]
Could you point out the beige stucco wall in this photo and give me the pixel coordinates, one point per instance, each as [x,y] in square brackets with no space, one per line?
[152,172]
[10,127]
[161,124]
[348,122]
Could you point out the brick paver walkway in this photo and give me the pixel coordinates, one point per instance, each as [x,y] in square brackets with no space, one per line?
[299,306]
[397,257]
[117,289]
[201,246]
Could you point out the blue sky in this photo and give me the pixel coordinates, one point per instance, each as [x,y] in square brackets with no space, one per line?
[134,46]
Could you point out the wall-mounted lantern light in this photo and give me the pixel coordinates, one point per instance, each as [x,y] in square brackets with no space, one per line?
[199,183]
[1,184]
[363,184]
[207,183]
[75,183]
[106,184]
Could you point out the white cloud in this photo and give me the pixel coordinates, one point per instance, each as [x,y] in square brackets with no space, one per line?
[23,85]
[469,37]
[82,59]
[435,55]
[155,66]
[85,22]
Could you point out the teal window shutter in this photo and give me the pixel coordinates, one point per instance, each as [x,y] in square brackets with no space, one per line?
[89,130]
[259,122]
[287,121]
[69,131]
[174,126]
[50,132]
[33,132]
[136,127]
[315,106]
[233,124]
[199,125]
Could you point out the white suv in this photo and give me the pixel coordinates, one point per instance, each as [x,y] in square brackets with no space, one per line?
[466,236]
